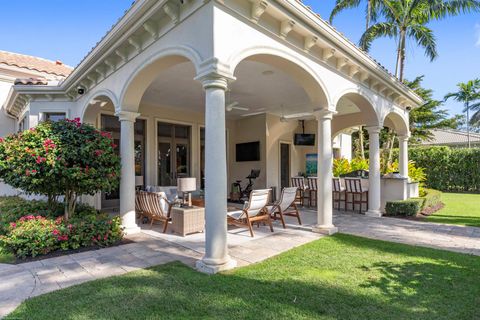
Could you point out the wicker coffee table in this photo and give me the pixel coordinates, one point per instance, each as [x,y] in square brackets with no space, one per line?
[188,220]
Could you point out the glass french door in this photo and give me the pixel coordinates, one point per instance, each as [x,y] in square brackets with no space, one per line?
[284,165]
[174,145]
[111,124]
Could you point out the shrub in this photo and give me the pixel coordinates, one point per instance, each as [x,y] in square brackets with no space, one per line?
[430,199]
[359,164]
[341,166]
[60,158]
[31,236]
[448,169]
[13,208]
[410,207]
[36,235]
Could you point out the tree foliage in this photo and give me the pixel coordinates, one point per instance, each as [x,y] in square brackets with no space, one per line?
[429,116]
[408,20]
[60,158]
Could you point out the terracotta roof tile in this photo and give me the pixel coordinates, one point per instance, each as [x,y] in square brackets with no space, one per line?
[31,81]
[34,63]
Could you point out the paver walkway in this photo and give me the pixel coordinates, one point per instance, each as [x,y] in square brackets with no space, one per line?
[19,282]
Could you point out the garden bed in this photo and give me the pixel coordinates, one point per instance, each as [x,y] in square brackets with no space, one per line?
[13,260]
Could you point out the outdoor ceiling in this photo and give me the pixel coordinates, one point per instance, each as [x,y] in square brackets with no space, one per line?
[259,88]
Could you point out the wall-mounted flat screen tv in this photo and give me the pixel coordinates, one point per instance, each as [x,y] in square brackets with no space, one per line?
[249,151]
[304,139]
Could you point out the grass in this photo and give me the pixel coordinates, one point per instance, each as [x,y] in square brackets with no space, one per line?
[460,208]
[339,277]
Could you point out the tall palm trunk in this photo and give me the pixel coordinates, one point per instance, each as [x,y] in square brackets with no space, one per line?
[401,55]
[369,14]
[361,139]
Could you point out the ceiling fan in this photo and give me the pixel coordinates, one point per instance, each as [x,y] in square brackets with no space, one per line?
[235,105]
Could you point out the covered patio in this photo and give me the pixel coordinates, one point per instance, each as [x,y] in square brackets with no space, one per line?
[178,102]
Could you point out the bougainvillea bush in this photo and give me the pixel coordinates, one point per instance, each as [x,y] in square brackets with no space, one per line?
[66,158]
[37,235]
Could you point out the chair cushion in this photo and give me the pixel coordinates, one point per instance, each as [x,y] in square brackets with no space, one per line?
[235,214]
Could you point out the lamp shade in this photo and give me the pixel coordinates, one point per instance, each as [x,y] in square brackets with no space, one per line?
[138,181]
[186,184]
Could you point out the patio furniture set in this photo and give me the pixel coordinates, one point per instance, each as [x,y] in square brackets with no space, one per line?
[154,205]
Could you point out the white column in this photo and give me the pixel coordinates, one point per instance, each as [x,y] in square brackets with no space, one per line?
[216,256]
[127,178]
[374,200]
[324,173]
[403,155]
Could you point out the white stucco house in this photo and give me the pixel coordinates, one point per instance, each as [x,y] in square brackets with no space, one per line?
[199,77]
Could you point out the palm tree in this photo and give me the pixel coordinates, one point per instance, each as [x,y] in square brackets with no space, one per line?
[372,9]
[467,93]
[370,14]
[408,19]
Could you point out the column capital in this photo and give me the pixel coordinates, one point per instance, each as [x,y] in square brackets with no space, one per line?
[127,115]
[324,113]
[374,129]
[404,137]
[215,80]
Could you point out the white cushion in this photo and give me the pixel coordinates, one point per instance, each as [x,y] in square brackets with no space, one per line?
[235,214]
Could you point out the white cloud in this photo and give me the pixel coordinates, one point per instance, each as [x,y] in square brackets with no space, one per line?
[477,35]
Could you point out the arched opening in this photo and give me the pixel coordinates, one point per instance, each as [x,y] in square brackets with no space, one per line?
[397,122]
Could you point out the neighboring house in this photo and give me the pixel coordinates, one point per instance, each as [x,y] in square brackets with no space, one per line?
[19,69]
[183,84]
[452,138]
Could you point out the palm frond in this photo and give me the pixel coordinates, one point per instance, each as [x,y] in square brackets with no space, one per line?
[341,5]
[439,9]
[382,29]
[425,38]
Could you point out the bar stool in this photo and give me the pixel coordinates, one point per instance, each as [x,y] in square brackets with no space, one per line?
[354,187]
[299,182]
[312,190]
[337,192]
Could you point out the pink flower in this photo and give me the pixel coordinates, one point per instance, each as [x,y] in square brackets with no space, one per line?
[70,227]
[1,140]
[41,159]
[27,172]
[98,152]
[56,232]
[34,171]
[113,145]
[62,238]
[13,224]
[105,237]
[39,217]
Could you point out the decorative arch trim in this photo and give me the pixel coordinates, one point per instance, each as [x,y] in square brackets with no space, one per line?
[183,51]
[98,93]
[236,58]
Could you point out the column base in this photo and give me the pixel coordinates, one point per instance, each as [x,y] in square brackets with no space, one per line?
[327,230]
[373,213]
[131,230]
[203,267]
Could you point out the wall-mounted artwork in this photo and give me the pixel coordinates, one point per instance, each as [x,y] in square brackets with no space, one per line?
[311,164]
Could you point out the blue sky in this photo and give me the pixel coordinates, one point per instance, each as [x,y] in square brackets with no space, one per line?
[67,30]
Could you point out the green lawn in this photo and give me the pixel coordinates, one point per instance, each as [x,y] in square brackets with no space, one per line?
[338,277]
[460,208]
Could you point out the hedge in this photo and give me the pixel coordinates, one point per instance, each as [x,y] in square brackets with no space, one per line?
[414,206]
[448,169]
[408,207]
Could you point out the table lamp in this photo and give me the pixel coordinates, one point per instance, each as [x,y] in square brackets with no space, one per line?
[186,186]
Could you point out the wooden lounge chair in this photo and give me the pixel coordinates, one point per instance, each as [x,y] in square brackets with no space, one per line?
[149,205]
[354,188]
[254,211]
[280,208]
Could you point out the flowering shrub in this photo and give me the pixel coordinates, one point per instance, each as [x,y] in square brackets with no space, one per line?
[35,235]
[31,236]
[67,158]
[12,208]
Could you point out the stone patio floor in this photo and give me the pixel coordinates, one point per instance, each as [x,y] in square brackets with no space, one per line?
[151,247]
